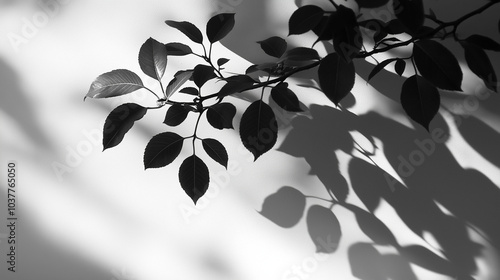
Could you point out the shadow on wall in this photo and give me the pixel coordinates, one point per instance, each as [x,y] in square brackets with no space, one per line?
[440,198]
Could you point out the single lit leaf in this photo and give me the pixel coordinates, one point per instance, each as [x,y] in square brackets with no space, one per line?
[219,26]
[190,91]
[285,98]
[274,46]
[347,37]
[410,13]
[336,77]
[202,73]
[114,83]
[480,64]
[438,65]
[194,177]
[300,54]
[400,66]
[420,100]
[374,228]
[304,19]
[153,59]
[178,49]
[379,67]
[483,42]
[222,61]
[324,229]
[285,207]
[188,29]
[179,79]
[176,114]
[221,115]
[235,84]
[371,3]
[119,122]
[216,151]
[258,128]
[162,150]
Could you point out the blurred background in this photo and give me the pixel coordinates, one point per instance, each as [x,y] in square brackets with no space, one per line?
[87,214]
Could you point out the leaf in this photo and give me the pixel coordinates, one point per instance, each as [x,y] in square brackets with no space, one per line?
[427,259]
[285,207]
[324,29]
[480,64]
[114,83]
[178,49]
[410,13]
[400,66]
[188,29]
[274,46]
[221,115]
[258,128]
[483,42]
[162,150]
[235,84]
[202,73]
[336,77]
[304,19]
[300,54]
[216,151]
[179,79]
[324,229]
[420,100]
[222,61]
[190,91]
[379,67]
[219,26]
[375,229]
[347,37]
[285,98]
[438,65]
[153,58]
[119,122]
[194,177]
[371,3]
[176,114]
[395,27]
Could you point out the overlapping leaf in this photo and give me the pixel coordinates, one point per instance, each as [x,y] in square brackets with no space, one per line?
[219,26]
[410,13]
[179,79]
[221,115]
[285,98]
[480,64]
[420,100]
[336,77]
[304,19]
[202,73]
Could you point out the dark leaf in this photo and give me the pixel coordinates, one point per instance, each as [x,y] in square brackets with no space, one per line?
[400,66]
[410,13]
[221,115]
[219,26]
[202,73]
[178,49]
[395,26]
[438,65]
[285,207]
[347,37]
[179,79]
[190,91]
[194,177]
[222,61]
[176,114]
[480,64]
[236,84]
[188,29]
[115,83]
[216,151]
[274,46]
[324,29]
[324,229]
[119,122]
[336,77]
[162,150]
[304,19]
[371,3]
[420,100]
[153,59]
[258,128]
[300,54]
[375,229]
[285,98]
[483,42]
[379,67]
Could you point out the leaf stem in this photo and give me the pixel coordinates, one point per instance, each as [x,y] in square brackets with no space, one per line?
[195,130]
[157,97]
